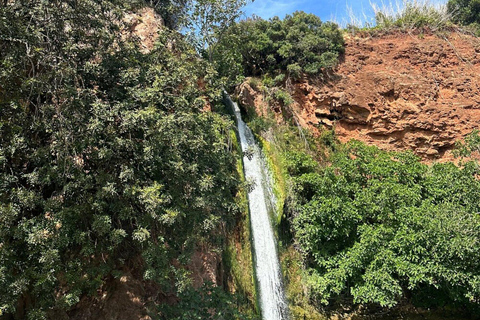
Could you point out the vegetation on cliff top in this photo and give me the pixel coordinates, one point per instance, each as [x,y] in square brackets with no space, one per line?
[465,12]
[408,15]
[300,43]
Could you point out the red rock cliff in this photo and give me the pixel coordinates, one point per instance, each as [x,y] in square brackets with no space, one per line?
[398,91]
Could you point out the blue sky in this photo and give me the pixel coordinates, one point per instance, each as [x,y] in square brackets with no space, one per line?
[325,9]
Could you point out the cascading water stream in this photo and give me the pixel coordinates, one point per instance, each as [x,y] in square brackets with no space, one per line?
[271,291]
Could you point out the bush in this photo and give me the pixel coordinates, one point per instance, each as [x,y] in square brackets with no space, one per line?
[379,227]
[469,146]
[300,42]
[284,97]
[298,163]
[254,83]
[465,12]
[208,302]
[268,81]
[279,79]
[294,70]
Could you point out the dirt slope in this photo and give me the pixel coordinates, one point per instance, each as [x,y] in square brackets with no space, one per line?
[397,91]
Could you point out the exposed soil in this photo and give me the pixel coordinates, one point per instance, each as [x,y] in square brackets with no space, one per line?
[398,91]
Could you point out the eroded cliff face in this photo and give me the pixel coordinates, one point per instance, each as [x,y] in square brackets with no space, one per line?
[397,91]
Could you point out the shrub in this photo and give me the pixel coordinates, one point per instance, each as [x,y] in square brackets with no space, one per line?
[465,12]
[298,163]
[268,81]
[294,70]
[298,43]
[469,146]
[279,79]
[379,227]
[284,97]
[254,83]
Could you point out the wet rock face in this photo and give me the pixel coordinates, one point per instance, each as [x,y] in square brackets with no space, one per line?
[399,92]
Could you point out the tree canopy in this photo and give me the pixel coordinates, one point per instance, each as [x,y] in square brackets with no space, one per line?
[465,12]
[300,43]
[106,155]
[379,227]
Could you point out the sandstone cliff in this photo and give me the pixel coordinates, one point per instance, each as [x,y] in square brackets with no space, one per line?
[398,91]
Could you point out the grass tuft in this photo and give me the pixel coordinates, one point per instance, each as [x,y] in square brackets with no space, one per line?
[412,14]
[405,15]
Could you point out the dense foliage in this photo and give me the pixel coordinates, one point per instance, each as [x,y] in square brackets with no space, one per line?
[173,12]
[299,43]
[201,16]
[465,12]
[380,227]
[209,21]
[208,302]
[106,155]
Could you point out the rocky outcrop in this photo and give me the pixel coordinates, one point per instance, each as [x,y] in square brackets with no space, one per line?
[399,91]
[249,95]
[143,24]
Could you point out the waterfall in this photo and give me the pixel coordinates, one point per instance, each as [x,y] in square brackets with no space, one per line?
[261,201]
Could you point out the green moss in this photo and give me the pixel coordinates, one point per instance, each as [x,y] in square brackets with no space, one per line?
[275,164]
[297,294]
[238,253]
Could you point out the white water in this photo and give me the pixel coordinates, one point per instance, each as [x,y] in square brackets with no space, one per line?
[271,291]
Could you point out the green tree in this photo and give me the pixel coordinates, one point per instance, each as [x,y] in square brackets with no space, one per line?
[173,12]
[209,19]
[465,11]
[106,155]
[301,43]
[380,227]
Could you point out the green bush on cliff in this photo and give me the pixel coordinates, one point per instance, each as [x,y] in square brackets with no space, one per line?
[206,303]
[300,43]
[466,12]
[380,227]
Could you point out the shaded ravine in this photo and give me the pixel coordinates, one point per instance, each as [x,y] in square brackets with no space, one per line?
[267,267]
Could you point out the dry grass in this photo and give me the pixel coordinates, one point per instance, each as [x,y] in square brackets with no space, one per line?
[404,15]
